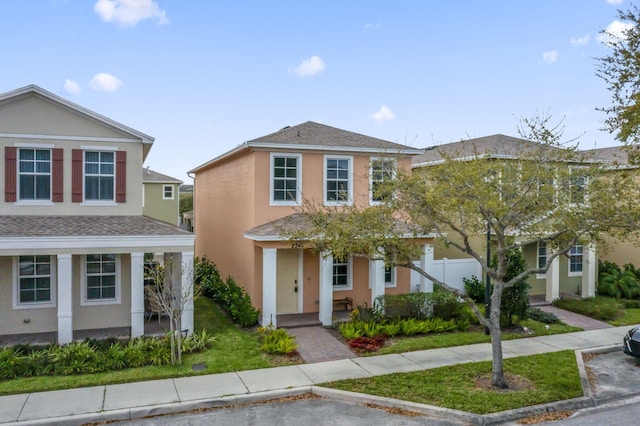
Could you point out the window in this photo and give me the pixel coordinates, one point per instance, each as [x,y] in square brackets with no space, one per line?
[382,169]
[542,257]
[34,174]
[389,276]
[101,279]
[577,186]
[285,179]
[341,274]
[575,260]
[99,175]
[338,181]
[167,192]
[35,282]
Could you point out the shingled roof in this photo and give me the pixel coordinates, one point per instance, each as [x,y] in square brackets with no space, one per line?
[86,226]
[496,146]
[612,154]
[150,176]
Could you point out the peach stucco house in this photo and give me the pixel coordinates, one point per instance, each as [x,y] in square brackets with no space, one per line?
[243,197]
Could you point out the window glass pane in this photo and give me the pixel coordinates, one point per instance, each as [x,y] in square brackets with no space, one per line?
[26,166]
[108,257]
[91,190]
[93,268]
[92,156]
[43,269]
[106,188]
[43,295]
[109,293]
[27,186]
[43,187]
[42,283]
[93,293]
[43,154]
[93,257]
[91,168]
[109,267]
[278,161]
[27,154]
[106,157]
[106,169]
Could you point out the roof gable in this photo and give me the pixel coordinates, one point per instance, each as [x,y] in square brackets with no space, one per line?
[150,176]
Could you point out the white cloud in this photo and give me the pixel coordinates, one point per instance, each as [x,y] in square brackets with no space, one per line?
[577,41]
[309,67]
[130,12]
[373,26]
[72,87]
[550,56]
[105,82]
[384,114]
[615,31]
[614,1]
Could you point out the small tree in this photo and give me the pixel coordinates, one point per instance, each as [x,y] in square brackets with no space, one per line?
[515,299]
[172,299]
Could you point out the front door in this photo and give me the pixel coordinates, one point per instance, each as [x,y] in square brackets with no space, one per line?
[287,281]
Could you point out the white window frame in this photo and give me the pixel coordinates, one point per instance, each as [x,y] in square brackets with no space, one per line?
[538,257]
[571,255]
[349,200]
[164,192]
[584,185]
[371,181]
[28,201]
[52,285]
[98,149]
[394,277]
[349,285]
[298,200]
[83,284]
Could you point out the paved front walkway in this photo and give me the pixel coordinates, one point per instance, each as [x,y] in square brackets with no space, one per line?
[575,320]
[315,344]
[135,400]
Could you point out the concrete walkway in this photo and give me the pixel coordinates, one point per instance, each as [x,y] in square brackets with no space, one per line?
[136,400]
[576,320]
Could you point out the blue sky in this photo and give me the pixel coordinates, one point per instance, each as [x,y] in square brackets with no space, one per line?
[204,76]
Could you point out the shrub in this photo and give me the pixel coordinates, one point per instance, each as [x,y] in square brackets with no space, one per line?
[367,344]
[619,284]
[408,305]
[350,330]
[539,315]
[445,304]
[197,342]
[278,341]
[601,308]
[475,289]
[74,358]
[411,326]
[391,329]
[515,299]
[9,363]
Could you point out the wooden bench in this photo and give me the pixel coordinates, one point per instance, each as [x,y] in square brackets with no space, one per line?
[346,302]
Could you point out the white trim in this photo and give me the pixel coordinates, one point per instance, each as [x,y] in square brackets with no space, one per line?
[98,148]
[298,200]
[542,276]
[164,187]
[122,243]
[83,284]
[349,200]
[53,274]
[42,201]
[394,160]
[67,138]
[300,283]
[576,273]
[34,203]
[99,203]
[349,285]
[33,145]
[281,238]
[394,278]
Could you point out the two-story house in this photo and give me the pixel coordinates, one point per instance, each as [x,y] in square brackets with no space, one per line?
[161,198]
[72,230]
[244,198]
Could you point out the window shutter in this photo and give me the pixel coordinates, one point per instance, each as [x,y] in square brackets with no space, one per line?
[56,175]
[76,175]
[121,176]
[10,174]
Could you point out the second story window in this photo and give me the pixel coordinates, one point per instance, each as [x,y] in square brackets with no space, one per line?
[167,192]
[338,180]
[382,170]
[577,186]
[34,173]
[99,175]
[285,179]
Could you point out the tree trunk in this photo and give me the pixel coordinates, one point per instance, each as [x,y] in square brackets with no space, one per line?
[497,368]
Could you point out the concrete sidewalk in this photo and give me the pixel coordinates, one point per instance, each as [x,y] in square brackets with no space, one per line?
[140,399]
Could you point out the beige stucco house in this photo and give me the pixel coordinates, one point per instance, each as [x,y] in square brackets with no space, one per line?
[72,230]
[161,198]
[243,198]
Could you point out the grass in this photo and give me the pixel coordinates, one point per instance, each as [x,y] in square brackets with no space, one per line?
[553,377]
[631,316]
[445,340]
[233,349]
[599,307]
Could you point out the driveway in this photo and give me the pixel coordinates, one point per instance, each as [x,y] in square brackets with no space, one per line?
[613,374]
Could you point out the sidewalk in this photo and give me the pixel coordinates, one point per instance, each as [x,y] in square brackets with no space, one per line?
[135,400]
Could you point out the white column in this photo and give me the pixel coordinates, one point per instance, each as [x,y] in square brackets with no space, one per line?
[589,264]
[553,281]
[326,289]
[186,267]
[137,294]
[65,299]
[269,276]
[426,264]
[376,269]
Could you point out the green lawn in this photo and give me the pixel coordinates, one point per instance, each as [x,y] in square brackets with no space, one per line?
[233,349]
[631,316]
[553,377]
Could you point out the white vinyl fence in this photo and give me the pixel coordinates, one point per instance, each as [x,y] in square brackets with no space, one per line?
[449,271]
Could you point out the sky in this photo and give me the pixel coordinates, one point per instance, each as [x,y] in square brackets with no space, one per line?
[202,77]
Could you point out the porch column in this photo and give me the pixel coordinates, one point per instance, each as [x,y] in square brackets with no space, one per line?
[326,289]
[553,281]
[589,264]
[137,294]
[269,276]
[65,299]
[187,291]
[426,264]
[376,278]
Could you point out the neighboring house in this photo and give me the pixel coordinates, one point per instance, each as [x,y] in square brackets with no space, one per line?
[72,230]
[574,273]
[161,199]
[245,197]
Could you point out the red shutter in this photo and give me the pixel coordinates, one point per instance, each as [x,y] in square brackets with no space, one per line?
[56,175]
[121,176]
[10,174]
[76,175]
